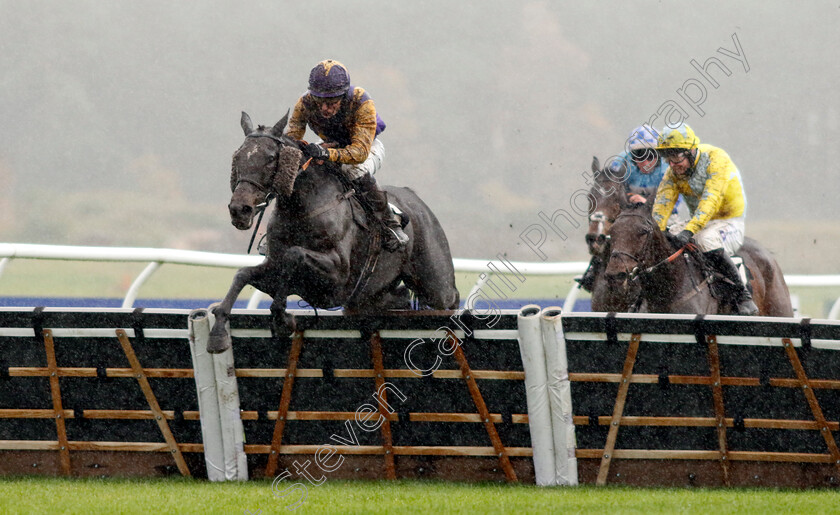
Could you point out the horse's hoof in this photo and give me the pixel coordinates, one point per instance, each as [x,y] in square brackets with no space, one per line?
[283,326]
[218,342]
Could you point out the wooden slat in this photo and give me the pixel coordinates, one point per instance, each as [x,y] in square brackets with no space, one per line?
[814,383]
[91,372]
[278,372]
[285,399]
[725,381]
[382,398]
[161,372]
[33,413]
[351,415]
[459,451]
[710,422]
[114,414]
[805,384]
[651,454]
[143,381]
[653,379]
[312,449]
[398,450]
[511,375]
[46,445]
[594,377]
[717,399]
[482,374]
[472,386]
[612,378]
[618,409]
[58,410]
[453,417]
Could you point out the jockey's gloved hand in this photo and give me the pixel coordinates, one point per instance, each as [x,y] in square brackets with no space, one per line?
[684,237]
[316,151]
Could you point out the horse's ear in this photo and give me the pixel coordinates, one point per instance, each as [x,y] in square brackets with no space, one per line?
[277,130]
[596,165]
[246,123]
[623,169]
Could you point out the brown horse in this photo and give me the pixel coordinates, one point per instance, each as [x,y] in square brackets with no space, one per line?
[610,198]
[321,245]
[645,264]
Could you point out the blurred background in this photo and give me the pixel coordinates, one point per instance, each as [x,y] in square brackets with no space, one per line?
[120,118]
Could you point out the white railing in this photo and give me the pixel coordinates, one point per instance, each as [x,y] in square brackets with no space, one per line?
[157,257]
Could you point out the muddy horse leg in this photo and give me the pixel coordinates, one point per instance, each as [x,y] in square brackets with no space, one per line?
[219,340]
[282,322]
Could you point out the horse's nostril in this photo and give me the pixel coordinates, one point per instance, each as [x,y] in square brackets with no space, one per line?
[590,238]
[240,210]
[602,238]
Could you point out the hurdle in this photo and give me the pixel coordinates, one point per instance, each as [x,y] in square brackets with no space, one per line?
[420,394]
[90,392]
[633,399]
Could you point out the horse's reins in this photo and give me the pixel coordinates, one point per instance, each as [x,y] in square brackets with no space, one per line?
[637,273]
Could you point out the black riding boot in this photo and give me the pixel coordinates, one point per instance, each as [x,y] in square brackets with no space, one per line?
[725,266]
[588,280]
[394,238]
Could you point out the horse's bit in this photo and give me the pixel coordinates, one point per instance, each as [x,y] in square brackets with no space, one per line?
[639,268]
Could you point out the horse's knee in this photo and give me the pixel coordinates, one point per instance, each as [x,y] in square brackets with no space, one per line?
[445,298]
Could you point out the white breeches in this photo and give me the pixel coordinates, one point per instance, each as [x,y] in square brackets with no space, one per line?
[370,165]
[726,234]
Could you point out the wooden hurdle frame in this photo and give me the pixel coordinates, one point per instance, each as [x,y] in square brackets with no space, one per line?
[386,449]
[759,467]
[91,457]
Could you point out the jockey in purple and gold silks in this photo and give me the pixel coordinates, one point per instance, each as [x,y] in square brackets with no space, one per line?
[711,185]
[345,119]
[354,128]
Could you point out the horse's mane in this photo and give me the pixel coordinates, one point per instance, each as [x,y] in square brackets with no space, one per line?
[288,167]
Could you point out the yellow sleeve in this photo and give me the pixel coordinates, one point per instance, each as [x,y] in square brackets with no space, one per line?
[361,137]
[720,170]
[666,198]
[297,122]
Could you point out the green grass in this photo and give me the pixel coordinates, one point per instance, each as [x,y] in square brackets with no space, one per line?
[50,495]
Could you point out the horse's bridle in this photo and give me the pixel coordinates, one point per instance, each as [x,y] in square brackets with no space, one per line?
[639,268]
[599,217]
[262,189]
[281,141]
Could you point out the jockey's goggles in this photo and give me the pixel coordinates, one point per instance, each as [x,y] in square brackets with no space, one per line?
[643,154]
[674,155]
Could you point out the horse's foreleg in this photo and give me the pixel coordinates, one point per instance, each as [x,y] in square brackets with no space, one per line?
[219,340]
[282,322]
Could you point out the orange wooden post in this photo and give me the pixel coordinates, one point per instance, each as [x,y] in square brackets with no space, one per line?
[143,381]
[808,390]
[382,398]
[618,409]
[285,399]
[58,410]
[472,386]
[720,413]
